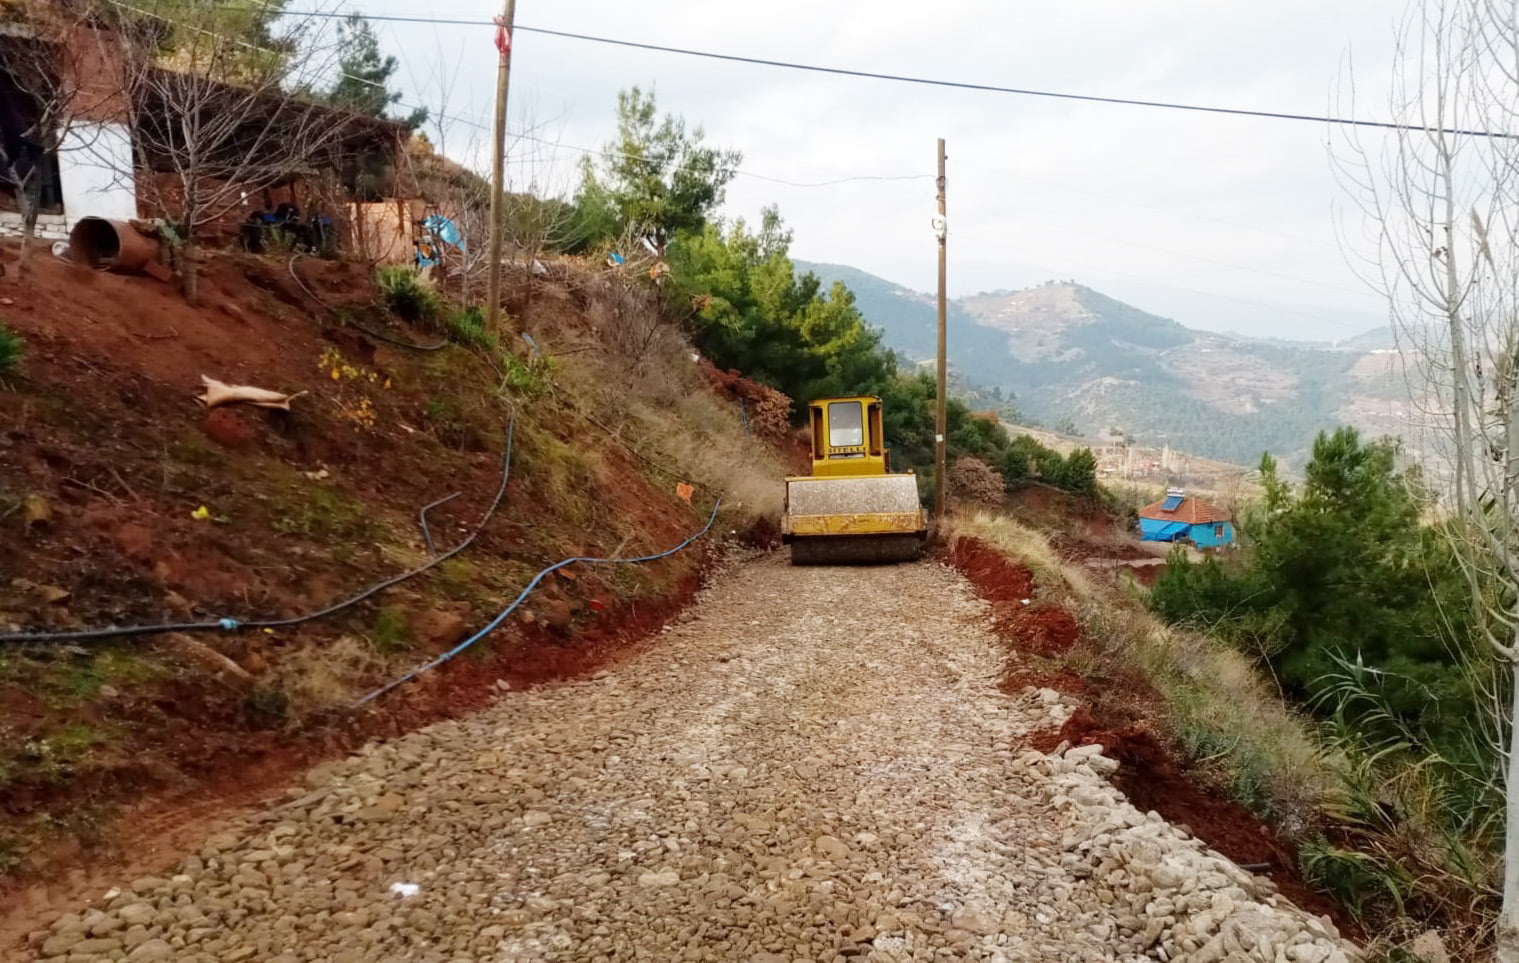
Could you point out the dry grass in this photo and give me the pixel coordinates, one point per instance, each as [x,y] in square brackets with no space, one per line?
[1379,836]
[319,678]
[975,481]
[662,407]
[1063,583]
[615,385]
[1227,717]
[1224,716]
[707,440]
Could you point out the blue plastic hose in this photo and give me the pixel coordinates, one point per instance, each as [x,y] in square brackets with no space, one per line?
[495,623]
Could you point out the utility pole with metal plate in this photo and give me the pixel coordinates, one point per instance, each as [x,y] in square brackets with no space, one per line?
[941,415]
[498,162]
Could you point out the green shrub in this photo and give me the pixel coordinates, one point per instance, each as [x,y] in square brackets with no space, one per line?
[10,350]
[468,327]
[408,295]
[521,376]
[390,632]
[1343,567]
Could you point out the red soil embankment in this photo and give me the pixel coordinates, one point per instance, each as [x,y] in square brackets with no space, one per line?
[1125,715]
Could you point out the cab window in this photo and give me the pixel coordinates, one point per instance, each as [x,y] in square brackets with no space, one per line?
[846,424]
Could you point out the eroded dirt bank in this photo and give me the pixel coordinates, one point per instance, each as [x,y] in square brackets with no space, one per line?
[126,502]
[818,764]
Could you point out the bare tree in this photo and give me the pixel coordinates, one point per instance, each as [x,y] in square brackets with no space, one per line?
[216,117]
[1441,206]
[47,53]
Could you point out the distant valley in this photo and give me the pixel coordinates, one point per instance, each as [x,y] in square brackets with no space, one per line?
[1064,351]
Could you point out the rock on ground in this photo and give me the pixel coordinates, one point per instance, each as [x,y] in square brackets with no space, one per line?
[817,765]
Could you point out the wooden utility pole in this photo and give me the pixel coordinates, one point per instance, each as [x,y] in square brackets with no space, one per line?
[941,415]
[498,163]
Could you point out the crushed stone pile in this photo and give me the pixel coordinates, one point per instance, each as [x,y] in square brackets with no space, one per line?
[815,766]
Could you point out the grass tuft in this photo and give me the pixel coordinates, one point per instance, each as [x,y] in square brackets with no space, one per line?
[467,327]
[11,349]
[408,295]
[390,632]
[521,377]
[324,676]
[323,511]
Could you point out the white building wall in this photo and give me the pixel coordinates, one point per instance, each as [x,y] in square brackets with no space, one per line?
[95,173]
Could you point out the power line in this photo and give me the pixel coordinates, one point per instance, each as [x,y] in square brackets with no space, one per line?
[929,81]
[458,118]
[738,171]
[1105,237]
[1199,257]
[603,151]
[856,178]
[836,180]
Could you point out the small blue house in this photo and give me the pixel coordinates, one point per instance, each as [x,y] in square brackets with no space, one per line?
[1179,518]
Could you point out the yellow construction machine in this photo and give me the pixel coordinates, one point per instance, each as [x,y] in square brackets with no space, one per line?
[851,509]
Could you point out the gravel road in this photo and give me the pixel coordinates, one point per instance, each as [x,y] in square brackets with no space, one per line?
[815,765]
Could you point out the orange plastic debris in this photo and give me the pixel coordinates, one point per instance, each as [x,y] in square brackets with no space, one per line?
[684,492]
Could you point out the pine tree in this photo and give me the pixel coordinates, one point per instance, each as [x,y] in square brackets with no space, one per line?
[658,176]
[230,40]
[364,74]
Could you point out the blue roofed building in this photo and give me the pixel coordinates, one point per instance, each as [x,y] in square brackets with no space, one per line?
[1180,517]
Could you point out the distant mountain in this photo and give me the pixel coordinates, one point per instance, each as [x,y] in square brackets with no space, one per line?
[910,320]
[1062,350]
[1371,340]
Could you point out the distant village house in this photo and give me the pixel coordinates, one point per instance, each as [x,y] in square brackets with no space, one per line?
[1180,517]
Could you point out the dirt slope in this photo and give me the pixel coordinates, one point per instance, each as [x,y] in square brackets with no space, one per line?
[819,765]
[106,461]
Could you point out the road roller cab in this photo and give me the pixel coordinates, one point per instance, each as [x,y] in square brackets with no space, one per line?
[852,509]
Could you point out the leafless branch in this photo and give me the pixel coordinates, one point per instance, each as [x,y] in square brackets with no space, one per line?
[1440,212]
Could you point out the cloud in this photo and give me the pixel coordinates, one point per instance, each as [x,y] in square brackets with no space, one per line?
[1237,208]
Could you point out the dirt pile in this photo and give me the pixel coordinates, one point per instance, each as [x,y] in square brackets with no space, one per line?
[1017,613]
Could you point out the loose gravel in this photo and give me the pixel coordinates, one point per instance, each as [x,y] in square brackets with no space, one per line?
[815,766]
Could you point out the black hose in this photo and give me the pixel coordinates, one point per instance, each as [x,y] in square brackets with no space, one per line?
[495,623]
[232,625]
[379,336]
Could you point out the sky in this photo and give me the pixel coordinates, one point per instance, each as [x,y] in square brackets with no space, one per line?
[1223,223]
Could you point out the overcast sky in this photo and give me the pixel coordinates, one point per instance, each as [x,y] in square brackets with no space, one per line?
[1223,223]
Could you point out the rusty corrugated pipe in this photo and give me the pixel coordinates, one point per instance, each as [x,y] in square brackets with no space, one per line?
[108,245]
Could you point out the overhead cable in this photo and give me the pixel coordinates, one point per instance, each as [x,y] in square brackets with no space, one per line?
[935,82]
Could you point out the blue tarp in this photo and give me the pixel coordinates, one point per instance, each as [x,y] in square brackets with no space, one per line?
[1169,533]
[444,230]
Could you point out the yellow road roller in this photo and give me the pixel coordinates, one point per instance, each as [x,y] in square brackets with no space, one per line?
[851,509]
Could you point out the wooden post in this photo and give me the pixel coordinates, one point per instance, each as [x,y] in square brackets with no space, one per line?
[498,160]
[941,415]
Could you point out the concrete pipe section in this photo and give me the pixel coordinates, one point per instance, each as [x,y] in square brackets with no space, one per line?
[108,245]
